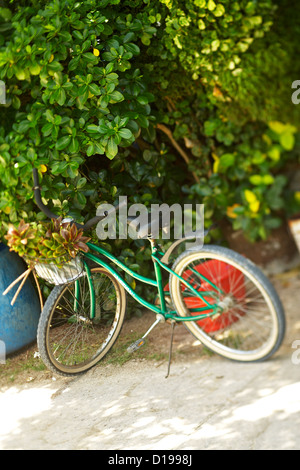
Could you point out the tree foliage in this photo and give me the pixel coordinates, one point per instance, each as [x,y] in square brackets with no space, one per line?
[149,99]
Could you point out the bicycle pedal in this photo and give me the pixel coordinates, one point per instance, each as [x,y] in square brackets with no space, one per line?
[136,345]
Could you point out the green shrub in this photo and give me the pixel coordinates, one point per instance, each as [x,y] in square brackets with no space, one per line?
[146,83]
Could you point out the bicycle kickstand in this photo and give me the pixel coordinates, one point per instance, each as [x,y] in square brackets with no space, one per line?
[173,324]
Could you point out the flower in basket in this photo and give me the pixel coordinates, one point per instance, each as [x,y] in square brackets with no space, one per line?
[25,239]
[55,241]
[64,240]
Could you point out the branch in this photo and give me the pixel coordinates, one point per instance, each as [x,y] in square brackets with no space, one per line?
[169,134]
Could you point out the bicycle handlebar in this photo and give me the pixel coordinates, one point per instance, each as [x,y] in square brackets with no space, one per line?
[37,194]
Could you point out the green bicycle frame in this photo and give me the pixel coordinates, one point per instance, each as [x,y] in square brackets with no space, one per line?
[158,283]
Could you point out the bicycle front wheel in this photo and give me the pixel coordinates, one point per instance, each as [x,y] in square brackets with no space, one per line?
[69,341]
[245,319]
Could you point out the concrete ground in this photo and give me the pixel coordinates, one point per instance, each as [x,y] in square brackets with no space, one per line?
[206,403]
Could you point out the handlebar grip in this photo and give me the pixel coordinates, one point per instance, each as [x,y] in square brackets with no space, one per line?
[90,223]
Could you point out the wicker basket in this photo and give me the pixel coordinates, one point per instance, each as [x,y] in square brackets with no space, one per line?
[69,271]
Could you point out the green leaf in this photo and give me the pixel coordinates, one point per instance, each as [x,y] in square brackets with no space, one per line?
[81,182]
[99,148]
[63,142]
[74,146]
[16,102]
[210,127]
[110,87]
[211,5]
[201,24]
[112,148]
[219,10]
[143,121]
[55,66]
[274,153]
[116,96]
[77,35]
[5,13]
[80,199]
[104,100]
[35,69]
[81,100]
[67,85]
[94,89]
[109,67]
[215,45]
[73,64]
[89,56]
[24,126]
[255,179]
[268,179]
[20,74]
[112,77]
[277,127]
[61,97]
[90,150]
[133,48]
[59,167]
[92,129]
[125,133]
[47,129]
[102,127]
[226,161]
[128,37]
[287,140]
[142,99]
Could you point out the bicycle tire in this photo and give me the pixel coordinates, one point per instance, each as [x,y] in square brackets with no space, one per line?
[252,328]
[59,323]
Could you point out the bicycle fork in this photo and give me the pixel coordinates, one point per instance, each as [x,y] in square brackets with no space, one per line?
[92,293]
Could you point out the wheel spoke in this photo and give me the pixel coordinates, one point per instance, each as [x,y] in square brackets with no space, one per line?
[73,341]
[246,325]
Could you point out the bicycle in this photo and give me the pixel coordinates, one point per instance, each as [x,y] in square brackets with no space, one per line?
[222,298]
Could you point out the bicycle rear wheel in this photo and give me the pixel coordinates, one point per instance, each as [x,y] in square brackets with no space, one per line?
[69,341]
[249,322]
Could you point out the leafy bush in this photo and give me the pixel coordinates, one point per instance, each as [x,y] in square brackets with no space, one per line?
[225,90]
[180,96]
[70,103]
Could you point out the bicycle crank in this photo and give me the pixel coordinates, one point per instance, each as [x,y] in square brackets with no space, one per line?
[140,342]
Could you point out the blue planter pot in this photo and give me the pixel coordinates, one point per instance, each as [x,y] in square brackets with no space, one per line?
[18,323]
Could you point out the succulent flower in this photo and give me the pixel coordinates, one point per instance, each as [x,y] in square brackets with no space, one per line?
[55,241]
[24,239]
